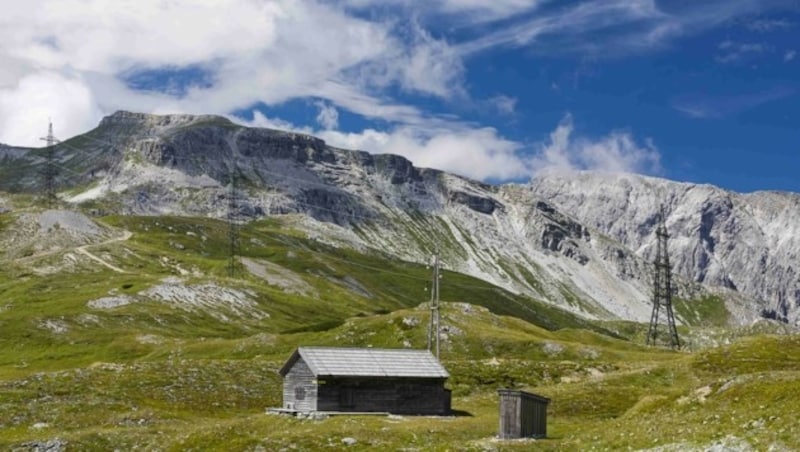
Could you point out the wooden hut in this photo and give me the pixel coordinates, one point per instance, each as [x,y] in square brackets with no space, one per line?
[522,414]
[398,381]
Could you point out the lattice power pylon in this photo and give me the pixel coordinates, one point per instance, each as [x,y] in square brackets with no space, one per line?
[50,171]
[434,327]
[233,226]
[662,290]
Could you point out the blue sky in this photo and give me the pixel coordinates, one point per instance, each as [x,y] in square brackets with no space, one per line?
[705,92]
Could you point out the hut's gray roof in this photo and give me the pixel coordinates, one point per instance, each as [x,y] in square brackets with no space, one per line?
[367,362]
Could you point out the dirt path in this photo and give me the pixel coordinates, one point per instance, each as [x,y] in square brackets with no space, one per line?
[83,250]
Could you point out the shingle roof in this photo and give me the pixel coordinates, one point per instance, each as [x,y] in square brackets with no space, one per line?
[368,362]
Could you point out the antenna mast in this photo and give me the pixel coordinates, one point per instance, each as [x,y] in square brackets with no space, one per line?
[433,328]
[662,288]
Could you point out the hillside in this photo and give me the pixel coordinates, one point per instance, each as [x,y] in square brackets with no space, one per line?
[127,332]
[538,240]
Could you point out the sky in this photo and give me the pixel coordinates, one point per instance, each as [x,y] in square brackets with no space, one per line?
[501,90]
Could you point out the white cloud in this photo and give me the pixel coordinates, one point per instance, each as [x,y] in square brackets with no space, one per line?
[475,11]
[95,35]
[251,52]
[261,120]
[479,153]
[699,105]
[577,21]
[768,25]
[616,152]
[424,65]
[484,11]
[328,116]
[609,27]
[789,55]
[26,108]
[734,52]
[504,104]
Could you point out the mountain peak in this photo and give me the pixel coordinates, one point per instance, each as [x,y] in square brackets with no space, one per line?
[154,120]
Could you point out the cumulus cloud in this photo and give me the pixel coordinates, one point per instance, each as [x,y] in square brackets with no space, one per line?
[616,152]
[482,153]
[479,153]
[26,107]
[328,116]
[243,52]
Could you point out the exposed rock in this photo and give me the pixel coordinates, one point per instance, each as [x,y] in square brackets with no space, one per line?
[552,348]
[743,242]
[474,202]
[582,241]
[111,302]
[51,445]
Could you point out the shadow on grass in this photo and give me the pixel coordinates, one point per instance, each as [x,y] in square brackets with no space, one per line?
[460,413]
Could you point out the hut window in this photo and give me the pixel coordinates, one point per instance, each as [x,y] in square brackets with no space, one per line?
[299,393]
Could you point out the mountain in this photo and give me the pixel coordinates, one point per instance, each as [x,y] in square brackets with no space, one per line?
[583,241]
[748,243]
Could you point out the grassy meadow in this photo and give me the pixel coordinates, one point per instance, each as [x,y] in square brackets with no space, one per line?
[105,357]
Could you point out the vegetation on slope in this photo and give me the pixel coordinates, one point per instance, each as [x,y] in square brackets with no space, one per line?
[155,374]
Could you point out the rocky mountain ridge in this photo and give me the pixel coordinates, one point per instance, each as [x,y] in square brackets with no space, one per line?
[745,242]
[558,239]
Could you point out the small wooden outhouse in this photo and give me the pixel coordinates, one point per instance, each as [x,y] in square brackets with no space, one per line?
[398,381]
[522,414]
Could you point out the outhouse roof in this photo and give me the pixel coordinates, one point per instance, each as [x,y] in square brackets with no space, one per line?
[367,362]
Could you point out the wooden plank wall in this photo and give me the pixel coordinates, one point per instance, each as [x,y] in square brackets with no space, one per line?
[398,396]
[300,388]
[522,415]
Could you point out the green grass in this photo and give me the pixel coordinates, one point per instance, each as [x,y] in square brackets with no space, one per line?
[709,310]
[151,375]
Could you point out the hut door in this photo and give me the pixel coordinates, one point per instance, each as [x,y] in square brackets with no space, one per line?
[347,397]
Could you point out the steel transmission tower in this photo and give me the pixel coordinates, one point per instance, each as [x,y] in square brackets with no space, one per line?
[233,227]
[433,328]
[662,289]
[49,173]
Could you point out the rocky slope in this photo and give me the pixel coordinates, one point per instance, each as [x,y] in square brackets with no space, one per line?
[745,242]
[558,239]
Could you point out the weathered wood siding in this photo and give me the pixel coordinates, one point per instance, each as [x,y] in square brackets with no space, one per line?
[300,388]
[522,415]
[391,395]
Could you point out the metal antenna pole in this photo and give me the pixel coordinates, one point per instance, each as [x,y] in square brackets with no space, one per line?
[662,288]
[433,329]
